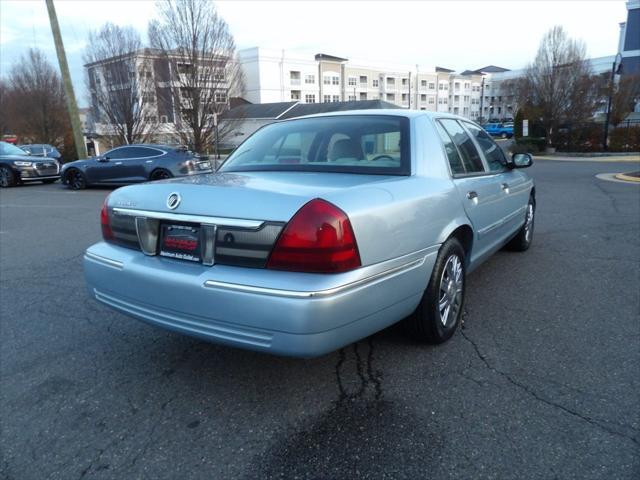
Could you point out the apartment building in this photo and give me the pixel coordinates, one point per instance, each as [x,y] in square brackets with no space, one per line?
[162,84]
[283,76]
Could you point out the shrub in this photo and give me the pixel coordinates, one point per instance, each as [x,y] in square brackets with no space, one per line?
[624,138]
[529,145]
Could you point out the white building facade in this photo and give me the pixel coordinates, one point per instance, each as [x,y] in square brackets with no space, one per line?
[282,76]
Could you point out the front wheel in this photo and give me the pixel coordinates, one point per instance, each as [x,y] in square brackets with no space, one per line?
[438,315]
[524,237]
[76,179]
[7,177]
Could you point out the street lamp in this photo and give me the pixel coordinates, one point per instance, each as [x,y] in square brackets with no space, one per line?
[606,119]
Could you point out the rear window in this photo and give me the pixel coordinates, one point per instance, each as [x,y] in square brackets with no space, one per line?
[369,144]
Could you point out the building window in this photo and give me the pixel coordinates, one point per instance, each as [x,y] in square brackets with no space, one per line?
[363,95]
[326,80]
[363,80]
[423,83]
[441,86]
[309,79]
[295,94]
[432,100]
[405,82]
[423,98]
[456,86]
[432,86]
[326,98]
[335,80]
[310,98]
[221,97]
[375,82]
[391,82]
[352,98]
[466,85]
[163,119]
[352,81]
[391,97]
[336,98]
[405,97]
[295,78]
[218,75]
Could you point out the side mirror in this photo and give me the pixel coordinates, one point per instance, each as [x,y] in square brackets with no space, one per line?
[103,159]
[520,160]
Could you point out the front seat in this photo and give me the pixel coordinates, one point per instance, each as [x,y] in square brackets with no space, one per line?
[346,148]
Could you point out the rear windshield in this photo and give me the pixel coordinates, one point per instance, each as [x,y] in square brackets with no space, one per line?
[369,144]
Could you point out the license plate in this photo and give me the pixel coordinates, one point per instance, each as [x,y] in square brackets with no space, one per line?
[180,241]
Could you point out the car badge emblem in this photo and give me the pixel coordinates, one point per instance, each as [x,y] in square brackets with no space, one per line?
[173,200]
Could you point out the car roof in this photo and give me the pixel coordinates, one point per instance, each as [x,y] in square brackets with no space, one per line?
[153,145]
[387,112]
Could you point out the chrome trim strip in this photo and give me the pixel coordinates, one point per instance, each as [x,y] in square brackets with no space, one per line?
[104,260]
[318,293]
[501,222]
[184,217]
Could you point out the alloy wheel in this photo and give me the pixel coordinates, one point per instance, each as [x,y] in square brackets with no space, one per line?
[451,285]
[5,177]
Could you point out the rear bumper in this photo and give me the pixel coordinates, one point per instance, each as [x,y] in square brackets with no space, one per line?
[285,313]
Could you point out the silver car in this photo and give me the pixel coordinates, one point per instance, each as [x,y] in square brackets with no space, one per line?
[317,232]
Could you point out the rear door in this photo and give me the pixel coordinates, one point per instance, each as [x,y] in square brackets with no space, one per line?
[477,187]
[134,165]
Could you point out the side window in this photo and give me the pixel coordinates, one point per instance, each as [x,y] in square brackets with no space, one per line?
[143,152]
[452,152]
[118,153]
[492,152]
[468,151]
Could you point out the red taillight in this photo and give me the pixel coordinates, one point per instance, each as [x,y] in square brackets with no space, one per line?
[105,222]
[318,239]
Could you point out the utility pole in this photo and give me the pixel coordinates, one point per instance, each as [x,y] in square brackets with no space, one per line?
[72,106]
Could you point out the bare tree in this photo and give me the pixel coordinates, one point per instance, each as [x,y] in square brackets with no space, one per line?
[120,81]
[35,100]
[4,104]
[195,41]
[624,97]
[559,82]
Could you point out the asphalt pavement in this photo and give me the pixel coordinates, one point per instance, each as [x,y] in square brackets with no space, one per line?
[542,382]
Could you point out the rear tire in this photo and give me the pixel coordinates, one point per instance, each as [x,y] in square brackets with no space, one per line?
[7,177]
[522,241]
[160,174]
[438,315]
[504,135]
[76,179]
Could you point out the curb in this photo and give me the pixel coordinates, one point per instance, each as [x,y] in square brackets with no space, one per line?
[627,178]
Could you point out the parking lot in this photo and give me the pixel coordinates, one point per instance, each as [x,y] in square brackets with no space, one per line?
[543,381]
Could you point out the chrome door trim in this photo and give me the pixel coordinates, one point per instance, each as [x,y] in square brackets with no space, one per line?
[502,221]
[185,217]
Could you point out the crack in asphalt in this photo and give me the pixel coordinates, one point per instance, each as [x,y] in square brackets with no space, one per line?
[535,395]
[365,372]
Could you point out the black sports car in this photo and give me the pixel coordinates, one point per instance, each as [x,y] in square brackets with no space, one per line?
[17,166]
[132,164]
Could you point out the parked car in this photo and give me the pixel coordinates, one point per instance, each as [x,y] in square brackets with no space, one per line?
[17,166]
[132,164]
[499,130]
[42,150]
[317,232]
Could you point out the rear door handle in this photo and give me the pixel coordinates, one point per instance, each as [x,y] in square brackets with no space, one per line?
[118,163]
[505,187]
[472,195]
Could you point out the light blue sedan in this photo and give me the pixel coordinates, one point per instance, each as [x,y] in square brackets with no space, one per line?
[317,232]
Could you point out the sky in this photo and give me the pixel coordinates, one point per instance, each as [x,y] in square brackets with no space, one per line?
[455,34]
